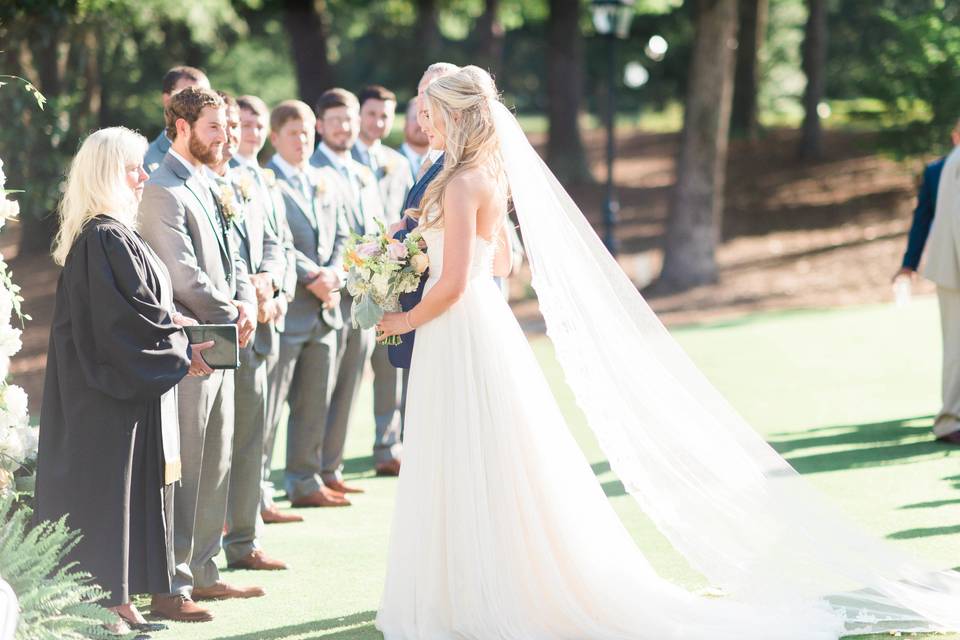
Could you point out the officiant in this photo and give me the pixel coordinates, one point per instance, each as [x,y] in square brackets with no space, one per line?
[109,449]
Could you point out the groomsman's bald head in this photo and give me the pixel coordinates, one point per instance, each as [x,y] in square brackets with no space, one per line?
[434,71]
[179,78]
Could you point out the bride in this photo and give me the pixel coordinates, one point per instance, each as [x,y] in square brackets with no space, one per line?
[501,529]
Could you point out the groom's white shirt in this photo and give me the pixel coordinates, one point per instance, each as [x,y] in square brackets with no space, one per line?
[943,244]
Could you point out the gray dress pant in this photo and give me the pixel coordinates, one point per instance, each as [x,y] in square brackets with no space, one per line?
[948,420]
[386,406]
[305,374]
[274,406]
[354,350]
[244,524]
[200,500]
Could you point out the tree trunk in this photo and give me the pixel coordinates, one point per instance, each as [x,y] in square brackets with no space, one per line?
[427,32]
[565,153]
[490,37]
[306,24]
[750,39]
[814,66]
[693,225]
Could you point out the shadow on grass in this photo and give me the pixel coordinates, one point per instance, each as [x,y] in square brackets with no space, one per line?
[924,532]
[933,504]
[858,446]
[335,625]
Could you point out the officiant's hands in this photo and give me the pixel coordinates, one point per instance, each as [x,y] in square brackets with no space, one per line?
[199,366]
[246,323]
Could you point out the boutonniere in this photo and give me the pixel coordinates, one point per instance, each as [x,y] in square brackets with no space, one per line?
[269,177]
[366,176]
[153,166]
[231,209]
[319,184]
[387,168]
[245,186]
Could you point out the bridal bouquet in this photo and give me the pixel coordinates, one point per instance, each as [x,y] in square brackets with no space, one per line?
[379,269]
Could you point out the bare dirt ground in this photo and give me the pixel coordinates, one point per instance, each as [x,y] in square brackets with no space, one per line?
[795,235]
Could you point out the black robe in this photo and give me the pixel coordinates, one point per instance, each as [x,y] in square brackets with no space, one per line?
[114,351]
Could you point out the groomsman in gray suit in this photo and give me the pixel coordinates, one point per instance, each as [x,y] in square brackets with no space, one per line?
[254,129]
[176,79]
[180,220]
[306,370]
[263,257]
[338,123]
[391,169]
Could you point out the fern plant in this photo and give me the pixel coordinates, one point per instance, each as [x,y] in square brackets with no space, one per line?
[57,602]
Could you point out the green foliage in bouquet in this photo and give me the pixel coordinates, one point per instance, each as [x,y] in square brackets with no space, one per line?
[57,602]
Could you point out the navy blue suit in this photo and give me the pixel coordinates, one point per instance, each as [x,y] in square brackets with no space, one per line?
[401,354]
[923,214]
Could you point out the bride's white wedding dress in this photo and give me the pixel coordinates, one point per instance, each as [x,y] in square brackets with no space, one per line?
[501,529]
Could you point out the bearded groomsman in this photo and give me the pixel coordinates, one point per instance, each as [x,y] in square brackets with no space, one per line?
[938,204]
[306,369]
[338,120]
[254,129]
[391,169]
[263,258]
[180,220]
[176,79]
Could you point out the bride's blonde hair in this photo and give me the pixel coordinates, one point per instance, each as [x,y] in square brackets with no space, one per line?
[462,102]
[96,184]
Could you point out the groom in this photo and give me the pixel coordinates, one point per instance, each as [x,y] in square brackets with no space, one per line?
[400,355]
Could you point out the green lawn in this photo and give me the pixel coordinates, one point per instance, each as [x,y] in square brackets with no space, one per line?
[846,395]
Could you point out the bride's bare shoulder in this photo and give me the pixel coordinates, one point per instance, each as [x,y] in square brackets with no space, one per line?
[473,185]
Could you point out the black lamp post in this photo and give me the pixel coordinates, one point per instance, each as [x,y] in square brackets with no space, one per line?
[611,19]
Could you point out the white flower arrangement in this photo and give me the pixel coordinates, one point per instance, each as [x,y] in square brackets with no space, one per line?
[18,440]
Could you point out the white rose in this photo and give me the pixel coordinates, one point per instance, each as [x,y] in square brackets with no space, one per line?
[30,438]
[10,342]
[15,403]
[420,262]
[11,449]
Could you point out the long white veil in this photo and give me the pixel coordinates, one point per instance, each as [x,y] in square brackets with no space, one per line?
[725,499]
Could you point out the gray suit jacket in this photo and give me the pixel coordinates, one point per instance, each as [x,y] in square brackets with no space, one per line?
[258,246]
[179,219]
[943,243]
[363,205]
[392,170]
[155,153]
[320,231]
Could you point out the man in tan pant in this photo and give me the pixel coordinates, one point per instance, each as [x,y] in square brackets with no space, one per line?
[943,268]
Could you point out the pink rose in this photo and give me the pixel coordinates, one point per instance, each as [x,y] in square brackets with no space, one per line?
[368,249]
[396,251]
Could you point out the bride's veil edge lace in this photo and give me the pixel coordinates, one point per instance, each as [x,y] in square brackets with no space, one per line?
[724,498]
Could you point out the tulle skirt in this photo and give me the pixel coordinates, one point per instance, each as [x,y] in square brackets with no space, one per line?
[501,529]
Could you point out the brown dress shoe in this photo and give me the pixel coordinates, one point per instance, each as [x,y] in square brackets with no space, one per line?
[223,591]
[390,468]
[339,486]
[178,607]
[322,497]
[273,515]
[257,560]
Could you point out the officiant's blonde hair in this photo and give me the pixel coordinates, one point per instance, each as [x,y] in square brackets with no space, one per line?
[462,102]
[96,184]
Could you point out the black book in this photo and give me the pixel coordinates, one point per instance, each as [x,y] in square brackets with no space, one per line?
[225,352]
